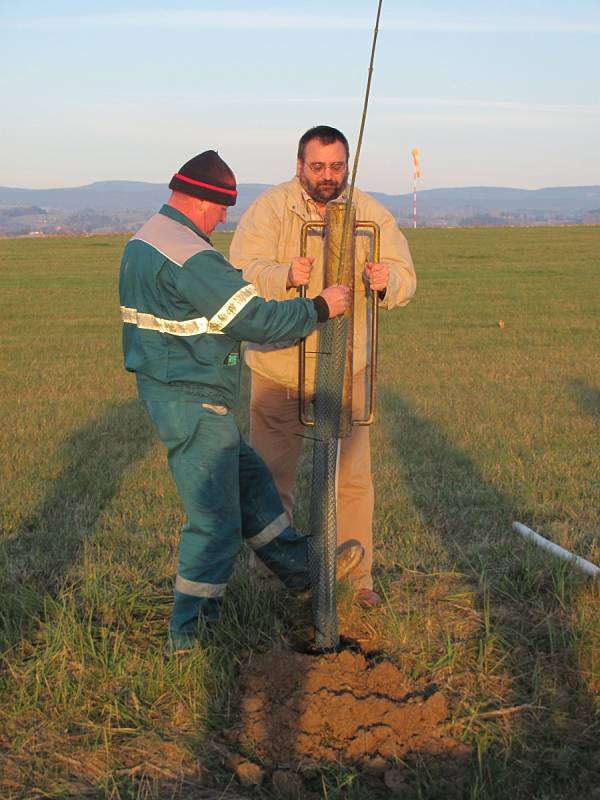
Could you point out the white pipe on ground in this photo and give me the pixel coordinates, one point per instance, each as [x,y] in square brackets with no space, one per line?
[581,563]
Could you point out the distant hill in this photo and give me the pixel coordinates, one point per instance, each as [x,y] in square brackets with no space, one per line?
[123,205]
[565,200]
[109,196]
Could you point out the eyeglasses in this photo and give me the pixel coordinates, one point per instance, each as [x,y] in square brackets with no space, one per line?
[319,166]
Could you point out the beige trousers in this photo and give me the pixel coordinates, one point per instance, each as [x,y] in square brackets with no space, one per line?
[277,435]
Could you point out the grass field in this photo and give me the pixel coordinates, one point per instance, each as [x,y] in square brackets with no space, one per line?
[479,424]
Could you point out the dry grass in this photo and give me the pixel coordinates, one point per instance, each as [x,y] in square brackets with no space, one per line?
[479,425]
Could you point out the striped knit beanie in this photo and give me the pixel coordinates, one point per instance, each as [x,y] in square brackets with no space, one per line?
[207,177]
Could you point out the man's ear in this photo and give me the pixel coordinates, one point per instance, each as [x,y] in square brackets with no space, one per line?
[298,167]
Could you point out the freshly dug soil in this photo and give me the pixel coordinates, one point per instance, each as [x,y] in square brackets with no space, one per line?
[299,710]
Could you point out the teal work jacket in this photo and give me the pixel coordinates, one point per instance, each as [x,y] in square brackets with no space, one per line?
[186,310]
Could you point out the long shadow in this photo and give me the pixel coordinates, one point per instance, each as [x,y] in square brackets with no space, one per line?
[530,602]
[36,559]
[587,398]
[552,749]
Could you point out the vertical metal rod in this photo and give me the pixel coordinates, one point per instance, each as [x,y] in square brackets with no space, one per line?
[328,403]
[375,254]
[302,408]
[360,137]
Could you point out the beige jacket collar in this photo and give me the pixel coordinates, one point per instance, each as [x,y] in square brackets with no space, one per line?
[300,202]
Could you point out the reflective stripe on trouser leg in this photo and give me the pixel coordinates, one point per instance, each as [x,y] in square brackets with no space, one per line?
[203,453]
[266,526]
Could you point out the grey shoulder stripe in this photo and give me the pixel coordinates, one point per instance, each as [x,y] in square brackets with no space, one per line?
[138,238]
[171,239]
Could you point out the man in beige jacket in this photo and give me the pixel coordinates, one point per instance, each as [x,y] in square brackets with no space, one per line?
[266,246]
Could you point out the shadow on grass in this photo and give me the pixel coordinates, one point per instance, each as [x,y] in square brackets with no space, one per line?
[587,398]
[35,561]
[552,751]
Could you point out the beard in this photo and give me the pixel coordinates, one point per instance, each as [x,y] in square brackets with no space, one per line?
[322,191]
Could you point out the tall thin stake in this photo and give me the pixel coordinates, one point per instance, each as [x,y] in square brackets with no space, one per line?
[359,143]
[329,388]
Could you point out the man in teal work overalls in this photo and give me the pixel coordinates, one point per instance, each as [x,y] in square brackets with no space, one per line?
[186,311]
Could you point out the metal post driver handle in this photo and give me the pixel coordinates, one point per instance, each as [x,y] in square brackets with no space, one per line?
[372,397]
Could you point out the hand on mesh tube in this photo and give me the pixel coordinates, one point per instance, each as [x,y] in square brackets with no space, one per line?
[337,299]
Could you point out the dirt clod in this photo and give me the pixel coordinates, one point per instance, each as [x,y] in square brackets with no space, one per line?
[288,785]
[247,772]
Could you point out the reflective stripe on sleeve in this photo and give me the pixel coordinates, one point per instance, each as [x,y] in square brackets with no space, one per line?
[194,589]
[231,308]
[269,533]
[191,327]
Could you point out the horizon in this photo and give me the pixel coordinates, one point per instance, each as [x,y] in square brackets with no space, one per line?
[263,183]
[137,87]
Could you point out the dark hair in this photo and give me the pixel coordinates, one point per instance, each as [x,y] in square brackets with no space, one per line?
[326,135]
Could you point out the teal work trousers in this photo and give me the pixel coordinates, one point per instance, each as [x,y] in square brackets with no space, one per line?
[228,496]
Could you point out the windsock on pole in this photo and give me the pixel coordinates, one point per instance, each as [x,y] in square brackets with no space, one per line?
[416,162]
[416,174]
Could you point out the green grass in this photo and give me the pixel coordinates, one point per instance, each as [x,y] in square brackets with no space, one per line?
[478,426]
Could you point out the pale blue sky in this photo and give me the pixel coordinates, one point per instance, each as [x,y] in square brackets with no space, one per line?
[504,94]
